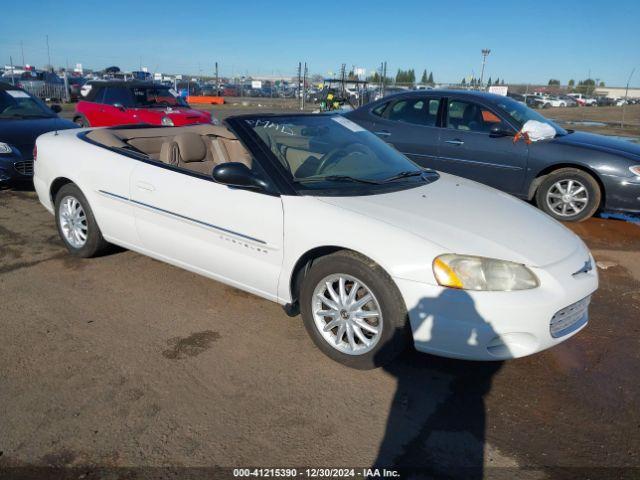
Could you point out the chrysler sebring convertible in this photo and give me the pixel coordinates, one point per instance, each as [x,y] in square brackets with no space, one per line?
[323,217]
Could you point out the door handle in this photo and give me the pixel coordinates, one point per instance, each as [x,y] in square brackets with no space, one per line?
[454,142]
[383,133]
[145,186]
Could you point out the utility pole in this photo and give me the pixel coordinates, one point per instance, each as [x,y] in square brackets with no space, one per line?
[217,82]
[304,84]
[384,77]
[626,94]
[22,50]
[299,82]
[13,75]
[485,54]
[49,54]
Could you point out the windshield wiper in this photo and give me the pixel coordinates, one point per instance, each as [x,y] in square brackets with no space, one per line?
[337,178]
[404,174]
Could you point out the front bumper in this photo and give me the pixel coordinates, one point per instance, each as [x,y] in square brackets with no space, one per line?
[622,193]
[14,169]
[498,325]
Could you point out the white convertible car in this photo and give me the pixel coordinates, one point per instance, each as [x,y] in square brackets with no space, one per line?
[315,213]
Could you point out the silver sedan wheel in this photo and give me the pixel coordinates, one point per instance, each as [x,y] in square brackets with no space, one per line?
[567,198]
[73,221]
[347,314]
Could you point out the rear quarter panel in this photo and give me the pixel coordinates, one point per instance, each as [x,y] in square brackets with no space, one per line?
[91,168]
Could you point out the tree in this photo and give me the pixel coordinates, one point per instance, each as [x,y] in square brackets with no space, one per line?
[497,81]
[601,84]
[430,81]
[586,87]
[424,79]
[502,83]
[572,82]
[489,82]
[463,82]
[554,82]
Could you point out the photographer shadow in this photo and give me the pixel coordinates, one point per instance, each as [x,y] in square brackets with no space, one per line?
[436,426]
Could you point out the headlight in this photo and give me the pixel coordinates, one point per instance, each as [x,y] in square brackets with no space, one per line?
[635,170]
[167,122]
[479,273]
[5,148]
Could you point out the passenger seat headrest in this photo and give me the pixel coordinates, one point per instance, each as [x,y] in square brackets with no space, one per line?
[191,146]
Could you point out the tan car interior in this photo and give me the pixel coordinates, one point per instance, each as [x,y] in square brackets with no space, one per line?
[198,148]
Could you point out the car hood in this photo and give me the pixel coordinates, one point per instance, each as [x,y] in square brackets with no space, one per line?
[462,216]
[602,143]
[25,132]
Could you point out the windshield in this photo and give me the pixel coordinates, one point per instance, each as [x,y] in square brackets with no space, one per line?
[157,97]
[331,152]
[521,114]
[19,104]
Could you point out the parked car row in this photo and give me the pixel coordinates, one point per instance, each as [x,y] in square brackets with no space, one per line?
[405,167]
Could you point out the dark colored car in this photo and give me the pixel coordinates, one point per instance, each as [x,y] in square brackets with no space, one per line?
[471,134]
[75,87]
[121,103]
[22,119]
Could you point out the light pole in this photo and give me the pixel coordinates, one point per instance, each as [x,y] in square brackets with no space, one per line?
[485,54]
[626,94]
[49,55]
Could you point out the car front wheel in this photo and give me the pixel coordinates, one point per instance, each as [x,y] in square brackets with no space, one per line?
[569,195]
[76,224]
[353,311]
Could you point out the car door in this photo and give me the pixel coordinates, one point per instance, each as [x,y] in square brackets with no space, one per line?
[230,234]
[469,149]
[113,108]
[410,125]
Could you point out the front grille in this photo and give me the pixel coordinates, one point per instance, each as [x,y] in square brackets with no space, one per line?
[25,167]
[570,318]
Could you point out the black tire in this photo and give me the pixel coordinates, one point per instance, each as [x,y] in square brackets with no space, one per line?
[565,174]
[81,121]
[395,334]
[94,244]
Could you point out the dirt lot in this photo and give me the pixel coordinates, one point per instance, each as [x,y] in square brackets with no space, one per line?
[623,121]
[123,361]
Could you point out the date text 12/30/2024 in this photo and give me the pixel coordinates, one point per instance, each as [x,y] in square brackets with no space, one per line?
[316,473]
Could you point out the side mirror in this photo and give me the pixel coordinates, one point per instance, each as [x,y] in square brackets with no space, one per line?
[119,106]
[56,108]
[501,130]
[236,174]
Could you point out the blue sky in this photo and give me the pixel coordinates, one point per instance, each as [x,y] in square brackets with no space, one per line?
[530,42]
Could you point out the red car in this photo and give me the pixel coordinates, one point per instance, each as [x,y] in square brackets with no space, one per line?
[106,104]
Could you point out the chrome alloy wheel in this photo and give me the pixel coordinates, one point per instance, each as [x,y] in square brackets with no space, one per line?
[567,198]
[73,222]
[347,314]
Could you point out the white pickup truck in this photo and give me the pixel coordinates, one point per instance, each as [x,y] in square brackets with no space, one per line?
[584,100]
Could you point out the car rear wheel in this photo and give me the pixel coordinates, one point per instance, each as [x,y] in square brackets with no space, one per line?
[76,224]
[353,311]
[569,195]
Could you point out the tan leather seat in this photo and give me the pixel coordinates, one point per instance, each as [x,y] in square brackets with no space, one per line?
[188,150]
[236,152]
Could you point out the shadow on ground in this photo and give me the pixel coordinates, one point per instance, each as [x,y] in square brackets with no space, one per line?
[448,442]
